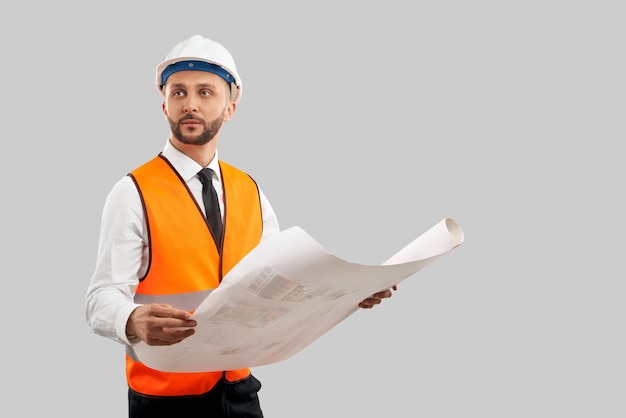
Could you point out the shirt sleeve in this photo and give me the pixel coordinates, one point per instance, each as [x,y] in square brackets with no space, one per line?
[122,248]
[270,221]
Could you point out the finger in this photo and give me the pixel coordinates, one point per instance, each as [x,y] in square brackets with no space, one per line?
[174,323]
[169,336]
[369,302]
[166,311]
[382,295]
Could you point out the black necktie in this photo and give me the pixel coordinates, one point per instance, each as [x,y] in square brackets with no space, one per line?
[211,205]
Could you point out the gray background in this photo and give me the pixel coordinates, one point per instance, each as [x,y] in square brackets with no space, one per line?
[365,123]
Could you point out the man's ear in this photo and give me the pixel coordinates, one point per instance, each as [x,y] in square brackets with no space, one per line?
[229,111]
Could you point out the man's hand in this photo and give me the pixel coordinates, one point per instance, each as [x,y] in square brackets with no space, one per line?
[160,324]
[376,298]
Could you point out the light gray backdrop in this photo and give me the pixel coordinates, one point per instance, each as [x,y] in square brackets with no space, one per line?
[365,123]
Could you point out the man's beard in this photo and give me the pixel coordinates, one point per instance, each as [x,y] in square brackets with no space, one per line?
[208,133]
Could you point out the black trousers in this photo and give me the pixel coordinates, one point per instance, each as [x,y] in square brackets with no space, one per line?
[226,400]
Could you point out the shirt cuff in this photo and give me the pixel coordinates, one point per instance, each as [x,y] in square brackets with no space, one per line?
[120,324]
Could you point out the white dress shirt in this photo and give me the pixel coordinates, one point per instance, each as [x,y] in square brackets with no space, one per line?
[123,246]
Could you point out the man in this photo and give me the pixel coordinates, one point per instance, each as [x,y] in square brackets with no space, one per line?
[161,252]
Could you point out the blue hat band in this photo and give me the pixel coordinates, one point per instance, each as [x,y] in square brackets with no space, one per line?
[197,66]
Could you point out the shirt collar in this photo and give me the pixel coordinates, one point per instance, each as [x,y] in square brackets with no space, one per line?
[185,166]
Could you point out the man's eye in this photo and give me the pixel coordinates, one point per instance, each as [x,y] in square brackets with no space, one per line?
[205,93]
[177,93]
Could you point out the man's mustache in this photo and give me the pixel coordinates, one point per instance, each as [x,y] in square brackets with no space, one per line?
[190,116]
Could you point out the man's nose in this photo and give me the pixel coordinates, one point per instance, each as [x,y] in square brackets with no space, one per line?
[190,106]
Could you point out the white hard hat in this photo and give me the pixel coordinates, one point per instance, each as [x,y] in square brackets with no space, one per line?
[199,53]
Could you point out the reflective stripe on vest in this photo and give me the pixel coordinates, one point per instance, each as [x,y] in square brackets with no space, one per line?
[185,265]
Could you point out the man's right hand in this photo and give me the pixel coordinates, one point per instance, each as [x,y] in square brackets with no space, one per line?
[160,324]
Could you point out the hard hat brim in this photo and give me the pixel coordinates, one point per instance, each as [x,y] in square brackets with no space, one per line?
[235,93]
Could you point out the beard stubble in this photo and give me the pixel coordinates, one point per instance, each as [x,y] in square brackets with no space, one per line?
[208,133]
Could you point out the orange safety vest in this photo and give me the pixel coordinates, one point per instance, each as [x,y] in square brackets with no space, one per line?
[185,265]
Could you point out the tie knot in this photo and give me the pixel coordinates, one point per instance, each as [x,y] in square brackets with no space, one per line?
[205,175]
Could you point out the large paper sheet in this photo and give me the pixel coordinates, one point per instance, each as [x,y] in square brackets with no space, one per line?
[285,294]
